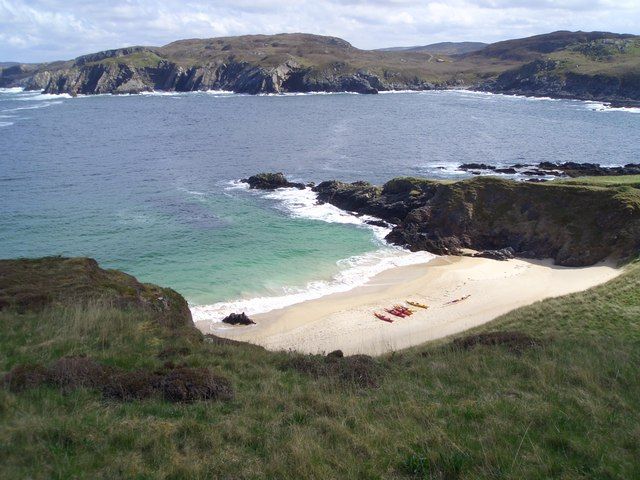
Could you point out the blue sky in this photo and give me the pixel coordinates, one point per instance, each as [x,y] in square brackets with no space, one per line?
[45,30]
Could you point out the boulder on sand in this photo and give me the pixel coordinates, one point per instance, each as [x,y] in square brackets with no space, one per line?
[501,254]
[238,319]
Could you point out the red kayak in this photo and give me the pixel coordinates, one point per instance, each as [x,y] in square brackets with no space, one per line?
[396,313]
[404,310]
[382,317]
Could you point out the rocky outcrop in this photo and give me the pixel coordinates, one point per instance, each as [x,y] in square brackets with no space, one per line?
[566,169]
[237,319]
[573,224]
[544,65]
[31,285]
[547,78]
[114,72]
[271,181]
[502,254]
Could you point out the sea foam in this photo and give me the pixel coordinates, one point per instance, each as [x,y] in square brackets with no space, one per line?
[604,107]
[353,272]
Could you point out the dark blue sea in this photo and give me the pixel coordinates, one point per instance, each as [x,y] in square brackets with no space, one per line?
[149,183]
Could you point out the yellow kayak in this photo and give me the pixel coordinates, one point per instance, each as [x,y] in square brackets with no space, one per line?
[416,304]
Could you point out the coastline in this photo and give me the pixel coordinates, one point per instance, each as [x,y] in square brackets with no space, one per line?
[345,320]
[600,103]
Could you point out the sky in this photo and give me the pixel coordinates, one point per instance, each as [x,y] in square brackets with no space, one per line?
[47,30]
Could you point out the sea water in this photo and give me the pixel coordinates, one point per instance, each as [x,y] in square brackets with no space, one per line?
[149,183]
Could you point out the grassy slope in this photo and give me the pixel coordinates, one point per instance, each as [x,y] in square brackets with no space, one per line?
[310,51]
[568,409]
[607,181]
[328,55]
[601,58]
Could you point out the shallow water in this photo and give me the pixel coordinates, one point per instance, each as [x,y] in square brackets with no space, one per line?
[147,183]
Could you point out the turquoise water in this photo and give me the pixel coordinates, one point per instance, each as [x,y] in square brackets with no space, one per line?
[146,183]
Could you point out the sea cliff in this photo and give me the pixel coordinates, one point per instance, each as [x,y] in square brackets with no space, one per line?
[575,224]
[585,65]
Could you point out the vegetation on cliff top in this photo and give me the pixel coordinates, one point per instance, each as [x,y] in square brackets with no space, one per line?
[576,223]
[556,399]
[604,66]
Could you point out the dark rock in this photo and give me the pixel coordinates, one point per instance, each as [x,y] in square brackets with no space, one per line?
[536,180]
[506,170]
[336,354]
[237,319]
[574,226]
[271,181]
[409,235]
[476,166]
[377,223]
[574,169]
[502,254]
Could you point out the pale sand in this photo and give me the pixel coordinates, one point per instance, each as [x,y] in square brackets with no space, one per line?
[345,320]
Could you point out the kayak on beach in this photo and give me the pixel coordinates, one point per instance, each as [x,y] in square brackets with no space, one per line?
[383,317]
[419,305]
[457,300]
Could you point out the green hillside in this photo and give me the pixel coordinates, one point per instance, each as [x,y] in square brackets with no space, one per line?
[555,394]
[586,65]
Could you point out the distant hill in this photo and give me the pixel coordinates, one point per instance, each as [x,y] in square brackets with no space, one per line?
[587,65]
[531,47]
[442,48]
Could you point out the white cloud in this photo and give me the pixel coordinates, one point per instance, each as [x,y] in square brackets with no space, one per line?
[38,30]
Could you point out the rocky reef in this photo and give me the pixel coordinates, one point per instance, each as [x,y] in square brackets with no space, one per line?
[550,169]
[270,181]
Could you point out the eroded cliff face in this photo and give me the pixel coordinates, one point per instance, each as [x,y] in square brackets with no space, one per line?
[240,77]
[573,224]
[590,66]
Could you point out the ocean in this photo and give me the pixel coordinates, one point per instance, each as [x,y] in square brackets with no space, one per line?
[149,184]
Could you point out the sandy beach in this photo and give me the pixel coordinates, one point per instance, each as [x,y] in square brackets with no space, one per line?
[345,320]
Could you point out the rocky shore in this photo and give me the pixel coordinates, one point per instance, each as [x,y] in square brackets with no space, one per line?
[576,225]
[549,169]
[600,66]
[547,78]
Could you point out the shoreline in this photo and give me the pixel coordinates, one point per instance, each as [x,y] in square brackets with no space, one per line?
[345,320]
[612,104]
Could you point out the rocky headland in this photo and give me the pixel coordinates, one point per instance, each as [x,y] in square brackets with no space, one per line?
[599,66]
[575,224]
